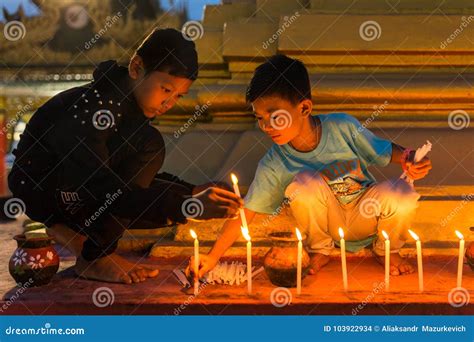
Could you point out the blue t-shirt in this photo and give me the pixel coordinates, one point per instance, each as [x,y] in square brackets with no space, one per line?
[345,151]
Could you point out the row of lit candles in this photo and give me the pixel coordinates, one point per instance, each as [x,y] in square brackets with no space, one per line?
[342,245]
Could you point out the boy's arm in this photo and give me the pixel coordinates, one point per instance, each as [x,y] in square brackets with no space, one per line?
[229,234]
[397,153]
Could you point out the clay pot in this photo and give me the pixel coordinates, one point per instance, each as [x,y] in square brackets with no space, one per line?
[280,262]
[470,255]
[34,261]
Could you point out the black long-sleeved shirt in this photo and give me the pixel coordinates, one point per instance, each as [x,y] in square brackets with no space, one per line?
[74,141]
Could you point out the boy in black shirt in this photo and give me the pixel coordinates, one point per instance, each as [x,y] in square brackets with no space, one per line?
[87,163]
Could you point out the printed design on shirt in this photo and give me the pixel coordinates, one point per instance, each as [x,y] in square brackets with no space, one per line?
[104,112]
[72,201]
[344,177]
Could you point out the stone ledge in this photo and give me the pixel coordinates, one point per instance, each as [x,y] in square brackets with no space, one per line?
[427,7]
[321,293]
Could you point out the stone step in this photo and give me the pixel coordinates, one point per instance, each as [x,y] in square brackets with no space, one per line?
[427,7]
[237,149]
[442,210]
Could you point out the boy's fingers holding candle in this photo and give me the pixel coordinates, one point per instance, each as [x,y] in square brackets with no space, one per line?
[231,196]
[206,263]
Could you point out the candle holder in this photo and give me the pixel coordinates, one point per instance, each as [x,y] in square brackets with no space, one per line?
[35,260]
[281,260]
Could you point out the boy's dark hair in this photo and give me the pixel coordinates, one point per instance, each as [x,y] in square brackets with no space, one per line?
[168,51]
[280,76]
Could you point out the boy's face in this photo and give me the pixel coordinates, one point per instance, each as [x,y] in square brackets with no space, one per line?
[158,91]
[280,119]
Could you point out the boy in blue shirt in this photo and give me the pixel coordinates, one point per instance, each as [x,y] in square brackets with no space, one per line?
[321,163]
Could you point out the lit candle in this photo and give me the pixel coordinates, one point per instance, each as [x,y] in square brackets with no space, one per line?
[299,262]
[387,260]
[245,233]
[419,259]
[343,258]
[235,183]
[196,261]
[460,258]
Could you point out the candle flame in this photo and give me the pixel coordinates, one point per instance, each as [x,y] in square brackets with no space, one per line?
[460,236]
[193,234]
[234,178]
[245,233]
[341,233]
[412,233]
[298,234]
[385,235]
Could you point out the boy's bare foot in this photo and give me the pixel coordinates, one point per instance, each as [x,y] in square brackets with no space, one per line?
[67,238]
[318,261]
[398,265]
[114,269]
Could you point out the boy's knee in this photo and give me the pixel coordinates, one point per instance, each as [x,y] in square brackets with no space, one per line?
[305,182]
[400,194]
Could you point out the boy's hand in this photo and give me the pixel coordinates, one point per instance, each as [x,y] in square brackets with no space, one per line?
[215,202]
[198,188]
[206,263]
[418,170]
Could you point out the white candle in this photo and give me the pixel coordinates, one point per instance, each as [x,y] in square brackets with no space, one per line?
[460,258]
[387,260]
[245,233]
[196,261]
[343,258]
[419,259]
[299,262]
[235,183]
